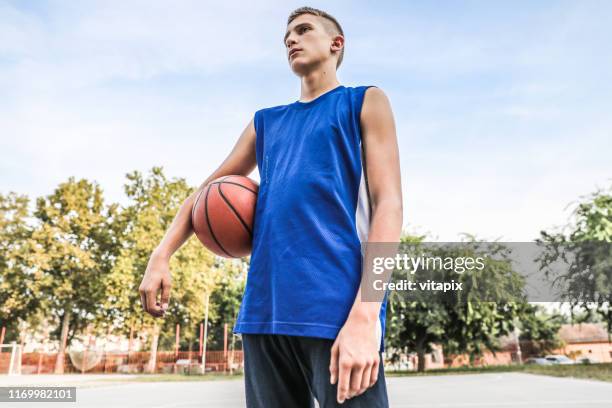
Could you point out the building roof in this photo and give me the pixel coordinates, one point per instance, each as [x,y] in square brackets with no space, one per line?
[583,332]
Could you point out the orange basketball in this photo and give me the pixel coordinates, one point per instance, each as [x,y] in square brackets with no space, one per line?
[223,213]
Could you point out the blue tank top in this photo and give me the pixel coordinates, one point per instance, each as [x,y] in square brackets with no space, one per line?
[312,213]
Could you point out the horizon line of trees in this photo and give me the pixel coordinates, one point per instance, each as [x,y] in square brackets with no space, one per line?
[73,264]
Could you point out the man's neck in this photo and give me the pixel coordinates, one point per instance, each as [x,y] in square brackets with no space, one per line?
[317,83]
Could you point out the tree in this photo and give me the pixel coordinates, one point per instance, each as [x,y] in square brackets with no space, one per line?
[154,201]
[19,277]
[583,244]
[467,321]
[225,300]
[541,329]
[77,247]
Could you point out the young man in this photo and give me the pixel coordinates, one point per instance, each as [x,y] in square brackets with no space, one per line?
[305,330]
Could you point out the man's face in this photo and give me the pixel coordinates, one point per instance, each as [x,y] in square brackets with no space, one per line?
[307,43]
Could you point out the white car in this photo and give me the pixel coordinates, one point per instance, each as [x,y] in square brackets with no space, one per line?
[538,361]
[559,359]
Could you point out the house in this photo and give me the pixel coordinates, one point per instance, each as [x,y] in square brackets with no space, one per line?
[580,340]
[586,340]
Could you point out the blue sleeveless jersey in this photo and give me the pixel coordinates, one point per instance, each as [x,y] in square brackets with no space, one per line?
[312,213]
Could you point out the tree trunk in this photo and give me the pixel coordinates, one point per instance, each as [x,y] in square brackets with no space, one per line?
[153,356]
[420,359]
[420,349]
[61,355]
[472,359]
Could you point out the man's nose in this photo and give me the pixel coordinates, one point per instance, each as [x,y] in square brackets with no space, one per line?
[290,42]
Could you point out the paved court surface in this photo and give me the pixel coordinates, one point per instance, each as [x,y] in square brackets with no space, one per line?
[507,390]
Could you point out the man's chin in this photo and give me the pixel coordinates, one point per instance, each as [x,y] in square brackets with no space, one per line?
[299,67]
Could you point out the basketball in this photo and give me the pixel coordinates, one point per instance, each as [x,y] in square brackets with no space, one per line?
[223,213]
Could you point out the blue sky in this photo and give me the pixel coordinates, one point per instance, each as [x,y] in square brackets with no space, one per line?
[502,108]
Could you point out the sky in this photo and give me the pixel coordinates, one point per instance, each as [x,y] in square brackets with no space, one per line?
[502,109]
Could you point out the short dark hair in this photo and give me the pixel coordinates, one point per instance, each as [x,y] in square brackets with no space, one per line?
[332,26]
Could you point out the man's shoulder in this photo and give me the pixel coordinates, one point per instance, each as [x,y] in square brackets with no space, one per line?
[366,93]
[361,87]
[275,108]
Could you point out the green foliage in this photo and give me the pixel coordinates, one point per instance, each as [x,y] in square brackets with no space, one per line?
[77,255]
[584,244]
[541,329]
[225,301]
[593,218]
[154,202]
[78,258]
[19,278]
[76,245]
[463,321]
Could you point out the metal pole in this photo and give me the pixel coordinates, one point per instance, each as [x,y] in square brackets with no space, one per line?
[130,344]
[231,355]
[12,362]
[205,336]
[201,339]
[224,340]
[225,354]
[40,358]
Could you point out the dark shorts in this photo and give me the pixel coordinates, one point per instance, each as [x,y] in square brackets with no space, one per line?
[290,371]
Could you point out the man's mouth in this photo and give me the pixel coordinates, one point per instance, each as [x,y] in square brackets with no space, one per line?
[293,52]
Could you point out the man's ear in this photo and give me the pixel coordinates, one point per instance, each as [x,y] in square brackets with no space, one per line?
[337,43]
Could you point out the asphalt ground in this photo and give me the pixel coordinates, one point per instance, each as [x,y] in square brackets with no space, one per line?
[489,390]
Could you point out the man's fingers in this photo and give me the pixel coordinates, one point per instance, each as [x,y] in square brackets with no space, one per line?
[365,378]
[374,372]
[143,300]
[344,379]
[356,376]
[333,364]
[165,294]
[152,305]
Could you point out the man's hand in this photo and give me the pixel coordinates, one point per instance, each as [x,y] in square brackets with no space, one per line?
[157,278]
[354,357]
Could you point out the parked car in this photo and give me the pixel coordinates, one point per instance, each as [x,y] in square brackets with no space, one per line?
[559,359]
[538,361]
[587,360]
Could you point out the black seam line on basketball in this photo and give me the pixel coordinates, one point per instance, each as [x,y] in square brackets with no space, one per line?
[221,194]
[194,207]
[244,224]
[212,233]
[236,184]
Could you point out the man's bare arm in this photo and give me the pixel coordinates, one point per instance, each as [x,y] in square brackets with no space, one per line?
[384,181]
[354,356]
[240,161]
